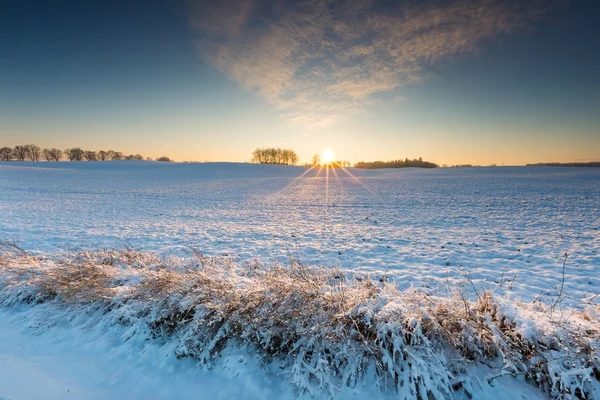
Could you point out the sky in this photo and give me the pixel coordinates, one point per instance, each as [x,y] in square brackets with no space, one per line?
[454,82]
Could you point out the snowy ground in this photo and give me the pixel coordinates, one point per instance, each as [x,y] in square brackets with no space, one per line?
[504,228]
[85,360]
[421,225]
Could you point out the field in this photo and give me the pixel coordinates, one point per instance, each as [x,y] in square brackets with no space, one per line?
[526,235]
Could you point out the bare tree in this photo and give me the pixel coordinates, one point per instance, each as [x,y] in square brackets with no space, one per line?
[56,154]
[117,155]
[316,160]
[6,154]
[47,155]
[20,153]
[275,156]
[90,155]
[137,157]
[34,153]
[74,154]
[103,155]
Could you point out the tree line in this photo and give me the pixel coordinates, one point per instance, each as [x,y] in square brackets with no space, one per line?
[569,164]
[31,152]
[418,163]
[275,156]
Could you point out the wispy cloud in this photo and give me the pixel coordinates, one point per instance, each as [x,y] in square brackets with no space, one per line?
[319,59]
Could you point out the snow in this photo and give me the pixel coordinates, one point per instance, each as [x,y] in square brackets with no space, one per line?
[424,226]
[78,357]
[93,362]
[504,228]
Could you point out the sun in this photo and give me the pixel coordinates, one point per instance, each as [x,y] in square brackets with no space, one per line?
[327,157]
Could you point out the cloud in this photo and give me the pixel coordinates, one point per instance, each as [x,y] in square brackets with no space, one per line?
[317,60]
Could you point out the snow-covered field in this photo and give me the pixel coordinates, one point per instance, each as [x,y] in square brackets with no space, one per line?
[504,228]
[421,225]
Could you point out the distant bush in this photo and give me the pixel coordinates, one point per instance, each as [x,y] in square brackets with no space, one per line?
[396,164]
[275,156]
[164,159]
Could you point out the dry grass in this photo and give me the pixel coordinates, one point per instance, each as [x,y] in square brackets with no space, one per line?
[327,326]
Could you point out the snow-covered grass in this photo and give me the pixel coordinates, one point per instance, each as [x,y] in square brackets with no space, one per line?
[326,328]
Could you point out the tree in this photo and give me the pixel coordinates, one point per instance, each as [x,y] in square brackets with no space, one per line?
[47,156]
[293,158]
[56,154]
[164,159]
[34,153]
[415,163]
[90,155]
[74,154]
[6,154]
[20,153]
[316,160]
[274,156]
[115,155]
[102,155]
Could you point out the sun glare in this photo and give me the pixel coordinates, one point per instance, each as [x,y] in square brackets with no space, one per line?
[327,157]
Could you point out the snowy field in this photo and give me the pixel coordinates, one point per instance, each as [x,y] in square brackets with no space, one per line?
[423,226]
[504,228]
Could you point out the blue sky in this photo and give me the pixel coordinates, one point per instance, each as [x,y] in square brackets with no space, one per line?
[451,81]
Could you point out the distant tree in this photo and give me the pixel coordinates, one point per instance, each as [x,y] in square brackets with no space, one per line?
[6,154]
[56,154]
[569,164]
[20,153]
[133,157]
[46,154]
[316,160]
[103,155]
[34,153]
[417,163]
[74,154]
[164,159]
[257,156]
[90,155]
[116,155]
[275,156]
[293,158]
[149,159]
